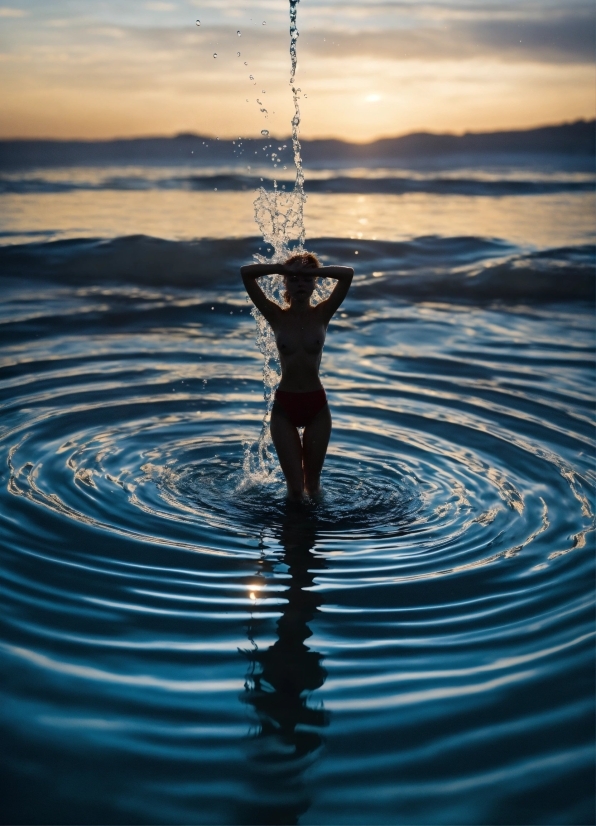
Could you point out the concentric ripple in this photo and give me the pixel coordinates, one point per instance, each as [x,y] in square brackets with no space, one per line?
[421,634]
[186,476]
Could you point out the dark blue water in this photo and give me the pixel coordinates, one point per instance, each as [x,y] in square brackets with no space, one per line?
[180,646]
[360,181]
[473,181]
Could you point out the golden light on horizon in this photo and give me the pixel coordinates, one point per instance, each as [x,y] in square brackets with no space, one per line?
[147,69]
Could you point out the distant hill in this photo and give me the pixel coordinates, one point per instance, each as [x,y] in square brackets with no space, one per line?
[568,140]
[577,138]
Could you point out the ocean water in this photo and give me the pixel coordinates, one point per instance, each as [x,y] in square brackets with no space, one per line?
[180,646]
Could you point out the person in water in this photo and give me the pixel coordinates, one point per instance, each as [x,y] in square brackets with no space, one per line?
[300,399]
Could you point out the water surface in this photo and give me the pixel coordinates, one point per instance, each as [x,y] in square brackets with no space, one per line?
[177,644]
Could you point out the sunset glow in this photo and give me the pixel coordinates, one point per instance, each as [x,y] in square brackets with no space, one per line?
[105,69]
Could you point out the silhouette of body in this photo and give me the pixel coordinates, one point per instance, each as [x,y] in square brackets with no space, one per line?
[300,330]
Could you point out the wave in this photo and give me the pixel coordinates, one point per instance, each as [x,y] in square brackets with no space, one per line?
[133,259]
[554,275]
[348,184]
[427,268]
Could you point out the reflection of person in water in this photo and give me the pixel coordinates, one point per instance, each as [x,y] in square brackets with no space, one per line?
[300,330]
[278,686]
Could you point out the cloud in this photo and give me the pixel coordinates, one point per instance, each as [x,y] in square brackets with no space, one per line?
[161,6]
[110,31]
[560,39]
[6,11]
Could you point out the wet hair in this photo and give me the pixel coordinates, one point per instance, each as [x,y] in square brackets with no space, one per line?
[307,260]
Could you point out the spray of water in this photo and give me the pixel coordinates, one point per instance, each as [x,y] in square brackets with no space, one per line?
[279,214]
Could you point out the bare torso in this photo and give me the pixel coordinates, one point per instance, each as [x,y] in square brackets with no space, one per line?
[300,337]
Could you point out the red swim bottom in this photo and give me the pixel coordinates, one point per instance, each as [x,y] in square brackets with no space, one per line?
[300,408]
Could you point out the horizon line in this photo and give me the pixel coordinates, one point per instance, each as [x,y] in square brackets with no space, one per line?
[186,134]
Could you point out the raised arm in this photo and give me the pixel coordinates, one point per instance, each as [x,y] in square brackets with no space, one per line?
[344,276]
[249,274]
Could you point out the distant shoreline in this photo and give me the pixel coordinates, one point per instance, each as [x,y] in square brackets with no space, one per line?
[575,139]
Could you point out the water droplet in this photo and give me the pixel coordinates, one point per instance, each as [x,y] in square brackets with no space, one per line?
[215,190]
[265,133]
[285,167]
[264,23]
[198,22]
[250,77]
[263,91]
[305,96]
[238,53]
[238,33]
[214,54]
[246,63]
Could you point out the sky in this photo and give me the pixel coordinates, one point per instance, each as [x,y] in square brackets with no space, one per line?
[366,68]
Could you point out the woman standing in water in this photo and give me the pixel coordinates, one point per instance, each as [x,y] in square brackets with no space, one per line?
[300,399]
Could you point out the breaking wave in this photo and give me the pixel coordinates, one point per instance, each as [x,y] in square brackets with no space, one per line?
[43,182]
[431,267]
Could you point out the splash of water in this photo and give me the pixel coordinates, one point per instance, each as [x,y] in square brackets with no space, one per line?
[279,214]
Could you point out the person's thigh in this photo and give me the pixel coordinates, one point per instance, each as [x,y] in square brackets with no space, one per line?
[315,441]
[289,451]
